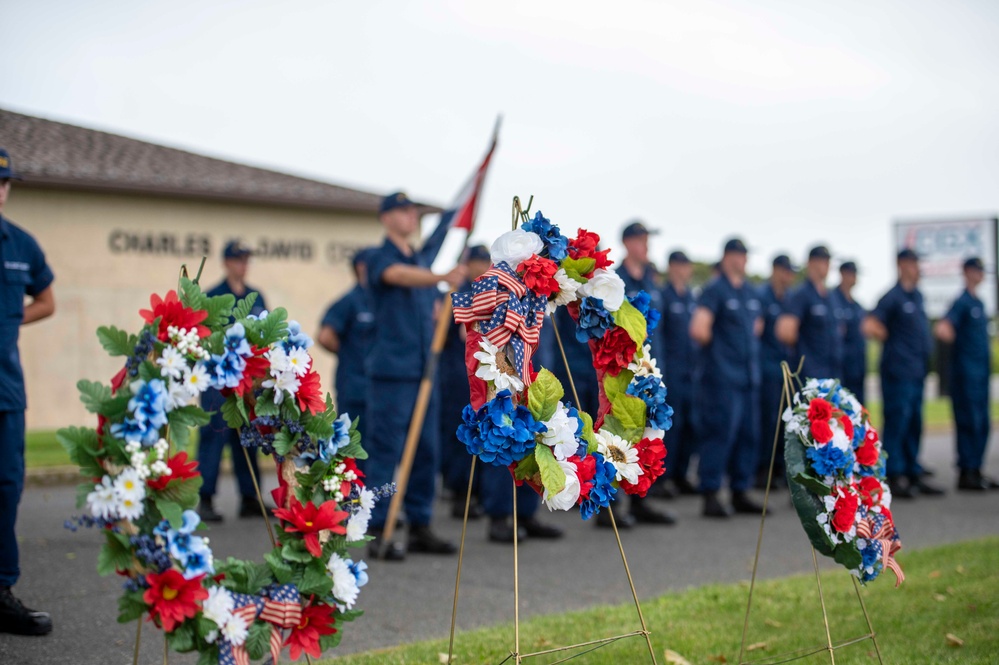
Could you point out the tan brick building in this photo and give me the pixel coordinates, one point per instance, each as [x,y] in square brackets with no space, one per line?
[117,217]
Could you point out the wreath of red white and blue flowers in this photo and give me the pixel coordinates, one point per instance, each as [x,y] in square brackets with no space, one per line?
[837,468]
[141,488]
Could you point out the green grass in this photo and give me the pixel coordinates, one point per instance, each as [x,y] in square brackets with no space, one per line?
[949,590]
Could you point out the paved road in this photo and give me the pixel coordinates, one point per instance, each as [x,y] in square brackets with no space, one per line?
[412,600]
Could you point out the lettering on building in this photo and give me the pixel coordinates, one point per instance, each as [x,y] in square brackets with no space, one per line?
[159,243]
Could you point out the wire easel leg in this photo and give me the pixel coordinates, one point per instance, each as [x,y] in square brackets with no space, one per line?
[825,615]
[631,583]
[461,556]
[260,498]
[138,640]
[867,617]
[516,579]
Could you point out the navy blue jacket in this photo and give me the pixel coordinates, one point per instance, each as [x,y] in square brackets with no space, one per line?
[820,339]
[677,351]
[851,314]
[971,354]
[353,321]
[772,351]
[906,353]
[732,358]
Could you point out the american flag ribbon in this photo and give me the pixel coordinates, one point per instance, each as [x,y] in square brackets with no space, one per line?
[881,530]
[281,607]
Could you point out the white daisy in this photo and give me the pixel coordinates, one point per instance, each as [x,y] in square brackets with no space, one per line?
[367,499]
[177,395]
[102,501]
[357,525]
[128,485]
[489,371]
[283,382]
[218,606]
[172,363]
[299,361]
[196,379]
[279,360]
[645,364]
[344,583]
[561,434]
[622,454]
[129,508]
[567,288]
[235,630]
[569,495]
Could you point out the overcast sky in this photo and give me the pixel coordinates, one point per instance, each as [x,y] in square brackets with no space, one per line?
[785,122]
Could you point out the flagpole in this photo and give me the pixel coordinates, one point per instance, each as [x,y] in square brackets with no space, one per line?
[424,394]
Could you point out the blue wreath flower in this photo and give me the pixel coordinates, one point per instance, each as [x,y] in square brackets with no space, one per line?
[191,551]
[603,490]
[828,460]
[581,450]
[642,301]
[594,320]
[556,244]
[871,565]
[226,370]
[147,409]
[499,433]
[296,338]
[651,390]
[359,570]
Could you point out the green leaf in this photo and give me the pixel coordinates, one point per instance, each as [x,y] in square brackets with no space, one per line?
[812,484]
[848,555]
[170,510]
[94,395]
[81,445]
[190,416]
[316,581]
[149,371]
[245,306]
[210,656]
[131,606]
[265,404]
[191,294]
[588,436]
[82,491]
[116,342]
[182,492]
[526,468]
[327,642]
[543,396]
[272,328]
[552,475]
[258,639]
[320,425]
[280,568]
[576,268]
[116,554]
[632,320]
[630,412]
[284,441]
[233,415]
[295,551]
[182,638]
[349,615]
[219,308]
[116,408]
[614,426]
[617,385]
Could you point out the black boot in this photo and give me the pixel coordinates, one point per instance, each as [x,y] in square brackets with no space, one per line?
[646,514]
[206,511]
[901,488]
[971,480]
[17,619]
[250,507]
[501,530]
[536,529]
[425,541]
[685,487]
[458,509]
[743,504]
[624,521]
[713,507]
[393,551]
[925,488]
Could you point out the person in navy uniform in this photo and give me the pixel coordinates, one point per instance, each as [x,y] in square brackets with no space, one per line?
[773,296]
[899,322]
[25,274]
[404,296]
[676,353]
[455,461]
[639,274]
[216,435]
[727,324]
[851,314]
[346,330]
[965,328]
[809,323]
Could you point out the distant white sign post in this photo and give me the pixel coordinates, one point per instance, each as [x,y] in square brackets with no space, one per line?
[943,245]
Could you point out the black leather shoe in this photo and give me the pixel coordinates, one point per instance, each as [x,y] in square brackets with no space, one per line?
[901,488]
[425,541]
[393,552]
[646,514]
[971,480]
[990,483]
[207,512]
[925,488]
[17,619]
[458,509]
[715,508]
[623,521]
[250,507]
[501,530]
[536,529]
[743,504]
[685,487]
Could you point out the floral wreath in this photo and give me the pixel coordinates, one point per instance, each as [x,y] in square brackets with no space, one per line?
[518,418]
[834,456]
[142,488]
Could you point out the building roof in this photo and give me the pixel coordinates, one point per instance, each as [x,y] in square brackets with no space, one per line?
[58,155]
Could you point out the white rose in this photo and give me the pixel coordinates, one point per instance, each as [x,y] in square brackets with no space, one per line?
[569,495]
[606,285]
[515,246]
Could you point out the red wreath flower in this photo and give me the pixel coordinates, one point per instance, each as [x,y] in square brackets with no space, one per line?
[586,469]
[821,431]
[819,409]
[257,367]
[180,469]
[847,426]
[309,394]
[614,351]
[172,312]
[870,491]
[173,598]
[651,453]
[867,453]
[585,246]
[317,620]
[350,464]
[845,512]
[310,520]
[539,275]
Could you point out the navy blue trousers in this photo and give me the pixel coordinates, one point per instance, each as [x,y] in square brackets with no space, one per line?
[970,401]
[680,439]
[390,405]
[496,487]
[11,486]
[771,392]
[213,439]
[728,419]
[357,410]
[855,384]
[456,463]
[903,428]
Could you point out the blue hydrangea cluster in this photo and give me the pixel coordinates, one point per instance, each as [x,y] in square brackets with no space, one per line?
[226,370]
[828,460]
[581,449]
[594,319]
[191,551]
[147,413]
[252,437]
[871,555]
[150,553]
[642,301]
[499,433]
[74,523]
[145,346]
[603,490]
[556,244]
[296,338]
[652,391]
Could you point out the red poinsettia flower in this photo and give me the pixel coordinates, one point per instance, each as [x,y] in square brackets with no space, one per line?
[820,409]
[821,431]
[172,312]
[257,367]
[585,246]
[614,351]
[317,620]
[173,599]
[586,468]
[180,469]
[539,275]
[870,490]
[847,426]
[845,512]
[310,394]
[651,453]
[310,520]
